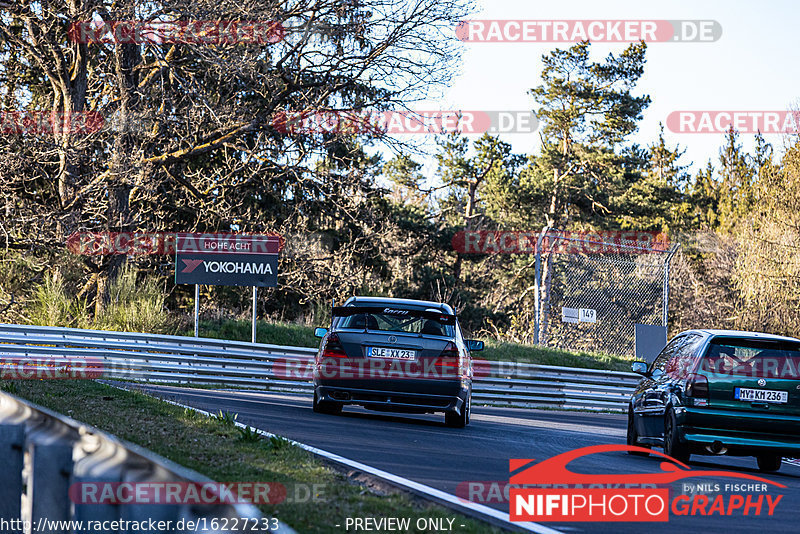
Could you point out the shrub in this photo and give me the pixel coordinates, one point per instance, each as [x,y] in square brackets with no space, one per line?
[136,304]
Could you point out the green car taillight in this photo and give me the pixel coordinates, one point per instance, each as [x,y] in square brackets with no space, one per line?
[696,389]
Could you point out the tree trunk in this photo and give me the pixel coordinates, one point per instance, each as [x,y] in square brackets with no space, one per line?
[469,211]
[553,207]
[70,99]
[122,170]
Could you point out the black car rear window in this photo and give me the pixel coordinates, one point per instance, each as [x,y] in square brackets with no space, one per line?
[393,319]
[753,358]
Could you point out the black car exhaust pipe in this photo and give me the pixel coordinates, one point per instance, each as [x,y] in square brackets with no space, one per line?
[717,448]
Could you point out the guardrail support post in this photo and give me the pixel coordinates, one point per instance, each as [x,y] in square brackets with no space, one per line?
[134,511]
[665,296]
[537,296]
[12,440]
[255,309]
[90,511]
[196,310]
[48,487]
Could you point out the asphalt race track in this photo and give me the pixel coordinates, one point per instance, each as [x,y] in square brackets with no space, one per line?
[422,449]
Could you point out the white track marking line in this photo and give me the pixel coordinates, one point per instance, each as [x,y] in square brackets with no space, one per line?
[415,487]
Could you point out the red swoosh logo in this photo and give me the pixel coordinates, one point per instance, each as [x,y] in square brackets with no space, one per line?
[554,470]
[191,265]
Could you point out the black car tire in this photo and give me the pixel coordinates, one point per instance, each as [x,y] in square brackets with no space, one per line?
[672,446]
[769,462]
[633,436]
[456,420]
[330,408]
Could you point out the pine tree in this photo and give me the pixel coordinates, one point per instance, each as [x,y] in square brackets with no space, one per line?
[659,200]
[588,111]
[737,181]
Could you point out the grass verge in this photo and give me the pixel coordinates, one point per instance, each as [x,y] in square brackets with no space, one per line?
[517,352]
[303,336]
[221,451]
[291,334]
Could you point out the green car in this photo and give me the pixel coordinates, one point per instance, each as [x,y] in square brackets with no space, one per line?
[720,392]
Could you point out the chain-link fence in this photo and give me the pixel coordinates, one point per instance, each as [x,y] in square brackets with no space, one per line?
[595,288]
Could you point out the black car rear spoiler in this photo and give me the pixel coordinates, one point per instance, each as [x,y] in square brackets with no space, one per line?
[441,317]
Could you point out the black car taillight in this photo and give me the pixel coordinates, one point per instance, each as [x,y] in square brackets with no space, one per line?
[449,356]
[697,389]
[449,361]
[333,348]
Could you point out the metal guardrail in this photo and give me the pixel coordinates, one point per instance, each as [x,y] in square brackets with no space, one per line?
[43,454]
[204,361]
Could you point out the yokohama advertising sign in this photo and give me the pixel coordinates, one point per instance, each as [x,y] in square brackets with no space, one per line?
[227,259]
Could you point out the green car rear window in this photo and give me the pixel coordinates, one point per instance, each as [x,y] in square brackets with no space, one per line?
[752,358]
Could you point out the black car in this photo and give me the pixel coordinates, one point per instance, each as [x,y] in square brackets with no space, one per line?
[720,392]
[395,355]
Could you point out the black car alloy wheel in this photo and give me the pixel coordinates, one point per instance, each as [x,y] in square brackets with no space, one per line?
[457,420]
[330,408]
[633,436]
[672,447]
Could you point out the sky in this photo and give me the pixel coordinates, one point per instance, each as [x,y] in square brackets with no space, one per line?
[753,66]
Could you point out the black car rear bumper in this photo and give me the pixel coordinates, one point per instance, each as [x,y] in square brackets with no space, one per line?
[396,400]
